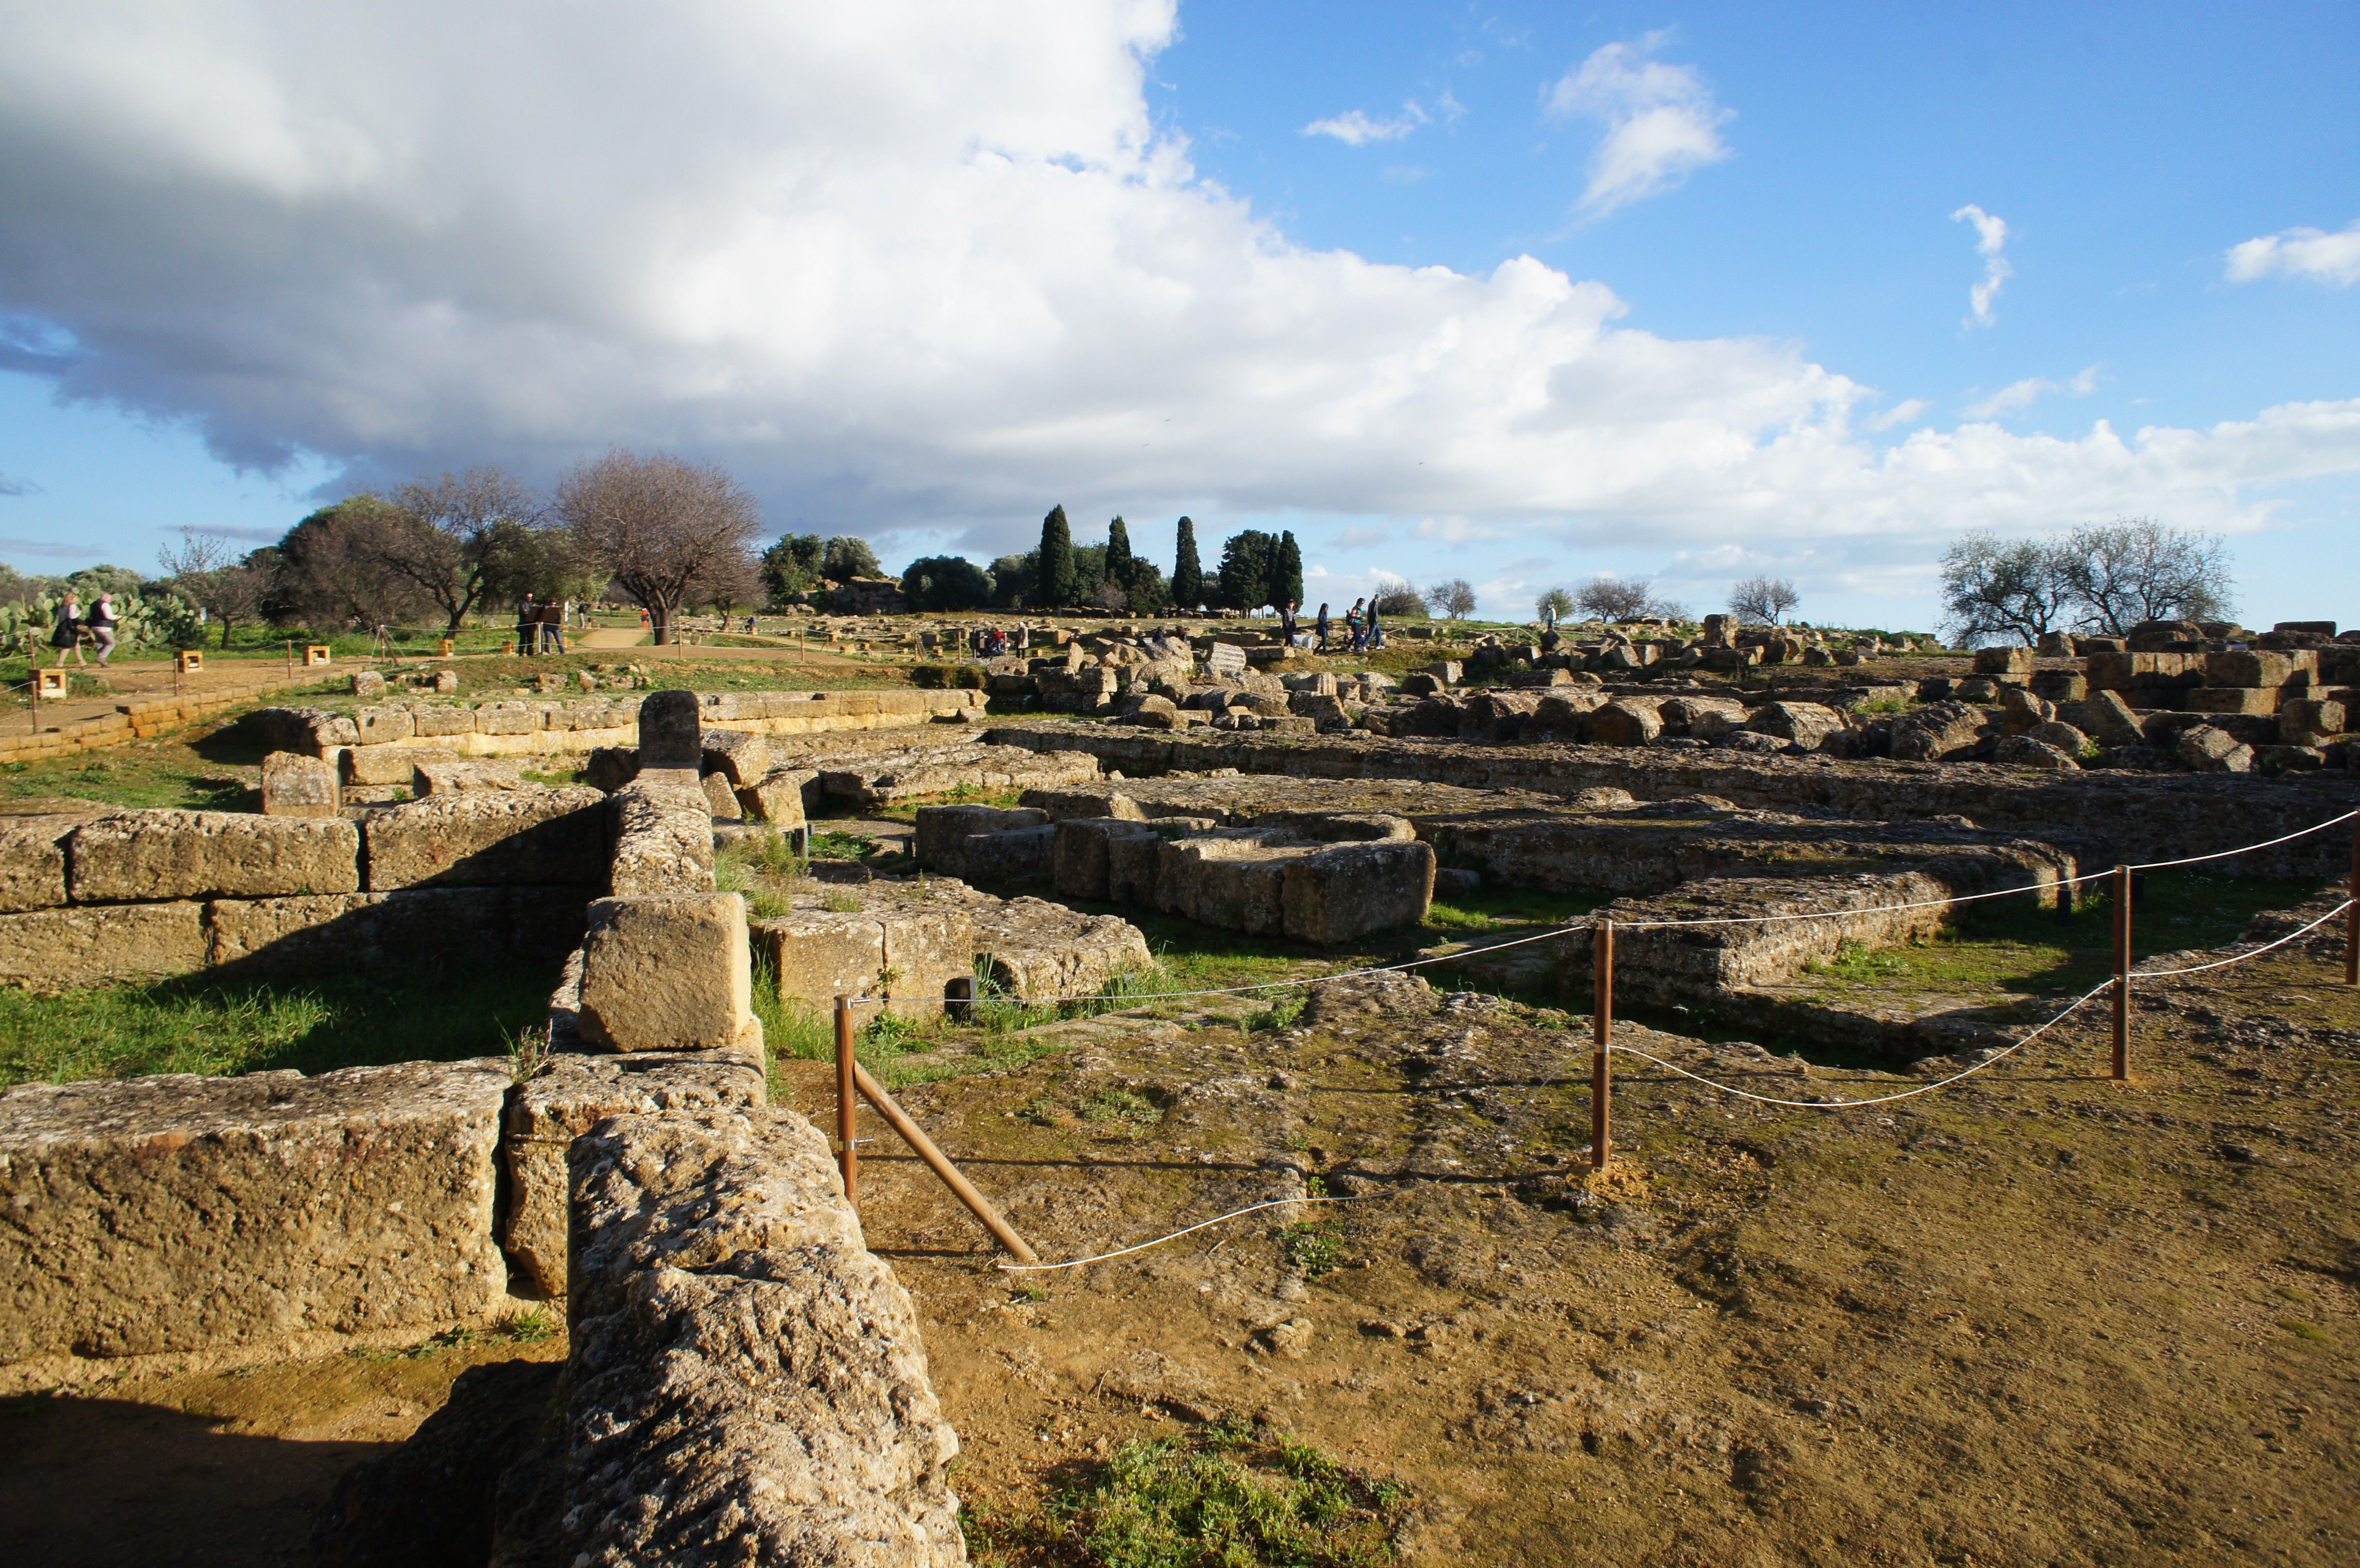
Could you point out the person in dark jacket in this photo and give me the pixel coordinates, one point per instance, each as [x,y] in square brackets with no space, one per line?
[102,622]
[1324,624]
[67,636]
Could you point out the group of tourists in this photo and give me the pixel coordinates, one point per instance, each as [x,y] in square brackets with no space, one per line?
[73,626]
[540,626]
[1361,631]
[998,642]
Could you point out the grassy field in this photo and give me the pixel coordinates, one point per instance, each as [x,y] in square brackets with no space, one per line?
[216,1028]
[214,768]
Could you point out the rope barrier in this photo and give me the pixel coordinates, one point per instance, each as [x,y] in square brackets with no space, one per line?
[2240,958]
[2248,849]
[1103,1256]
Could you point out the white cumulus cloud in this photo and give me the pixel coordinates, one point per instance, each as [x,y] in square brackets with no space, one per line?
[2298,253]
[1662,122]
[916,269]
[1991,244]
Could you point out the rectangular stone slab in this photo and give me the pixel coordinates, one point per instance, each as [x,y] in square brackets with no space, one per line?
[149,856]
[673,973]
[488,838]
[33,862]
[101,944]
[188,1214]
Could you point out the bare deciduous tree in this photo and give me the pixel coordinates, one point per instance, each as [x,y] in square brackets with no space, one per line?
[452,546]
[205,569]
[1762,601]
[1614,599]
[2003,588]
[1452,598]
[661,528]
[2136,570]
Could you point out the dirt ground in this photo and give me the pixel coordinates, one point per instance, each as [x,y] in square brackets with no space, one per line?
[2037,1318]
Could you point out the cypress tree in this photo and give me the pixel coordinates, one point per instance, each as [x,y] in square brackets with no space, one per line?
[1119,559]
[1188,572]
[1286,573]
[1054,587]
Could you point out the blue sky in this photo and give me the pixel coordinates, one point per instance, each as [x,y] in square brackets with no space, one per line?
[1789,297]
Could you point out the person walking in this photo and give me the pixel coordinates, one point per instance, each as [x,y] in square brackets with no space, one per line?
[102,622]
[552,625]
[1375,634]
[528,626]
[1352,626]
[67,636]
[1286,626]
[1324,624]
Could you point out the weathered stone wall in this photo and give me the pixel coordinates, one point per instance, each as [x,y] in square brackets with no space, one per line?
[2128,816]
[747,1380]
[271,1212]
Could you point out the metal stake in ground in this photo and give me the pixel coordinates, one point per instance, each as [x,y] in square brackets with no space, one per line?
[2351,915]
[1602,1024]
[2122,972]
[847,1105]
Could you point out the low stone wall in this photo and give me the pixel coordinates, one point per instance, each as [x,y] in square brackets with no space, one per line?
[2127,816]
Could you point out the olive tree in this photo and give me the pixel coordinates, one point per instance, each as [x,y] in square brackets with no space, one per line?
[663,529]
[2136,570]
[1762,601]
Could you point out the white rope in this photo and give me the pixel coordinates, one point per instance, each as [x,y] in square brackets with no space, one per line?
[2224,853]
[1103,1256]
[1881,1099]
[2240,958]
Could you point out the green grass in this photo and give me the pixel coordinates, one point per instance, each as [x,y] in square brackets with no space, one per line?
[1497,908]
[1219,1497]
[1315,1246]
[219,1028]
[2009,946]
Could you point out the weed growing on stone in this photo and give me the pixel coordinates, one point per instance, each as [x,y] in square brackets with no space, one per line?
[1279,1015]
[1315,1246]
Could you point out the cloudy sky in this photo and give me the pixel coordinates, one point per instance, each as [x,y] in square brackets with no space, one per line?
[1510,293]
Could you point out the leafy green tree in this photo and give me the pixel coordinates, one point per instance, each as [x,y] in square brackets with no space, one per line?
[1995,588]
[793,566]
[1287,571]
[1011,580]
[1249,565]
[1556,599]
[1150,594]
[947,582]
[1119,559]
[848,556]
[1187,573]
[1054,585]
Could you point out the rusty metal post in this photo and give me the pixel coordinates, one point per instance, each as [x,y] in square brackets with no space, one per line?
[847,1103]
[2122,972]
[1601,1023]
[2351,915]
[940,1164]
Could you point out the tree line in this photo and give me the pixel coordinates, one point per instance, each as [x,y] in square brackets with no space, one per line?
[1256,570]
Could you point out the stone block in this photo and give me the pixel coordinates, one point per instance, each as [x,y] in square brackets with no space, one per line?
[33,861]
[51,950]
[294,785]
[720,799]
[447,682]
[738,757]
[573,1094]
[746,1375]
[1232,879]
[670,735]
[507,719]
[458,775]
[670,973]
[2310,721]
[1042,952]
[2106,715]
[940,840]
[1013,855]
[1348,890]
[378,766]
[2059,685]
[381,724]
[388,931]
[2230,700]
[778,798]
[2252,667]
[1805,725]
[1625,724]
[662,836]
[929,957]
[2312,628]
[490,838]
[2210,750]
[1079,858]
[2029,751]
[151,855]
[367,684]
[184,1214]
[1449,671]
[820,954]
[1937,731]
[440,720]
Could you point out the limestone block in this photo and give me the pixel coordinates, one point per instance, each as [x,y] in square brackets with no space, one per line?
[490,838]
[820,954]
[1347,891]
[745,1375]
[1625,724]
[671,973]
[1803,724]
[185,1213]
[457,775]
[2030,751]
[778,798]
[148,855]
[2005,663]
[1131,868]
[2253,667]
[1937,731]
[381,724]
[376,767]
[1232,879]
[447,682]
[2310,721]
[940,840]
[2020,711]
[294,785]
[2106,715]
[929,951]
[609,768]
[507,719]
[1562,715]
[738,757]
[2065,737]
[387,931]
[1078,860]
[663,839]
[100,944]
[367,684]
[33,861]
[2059,685]
[720,799]
[574,1093]
[1013,855]
[442,719]
[2231,699]
[313,730]
[1449,671]
[2210,750]
[1045,952]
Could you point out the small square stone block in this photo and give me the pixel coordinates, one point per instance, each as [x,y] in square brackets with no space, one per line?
[315,655]
[49,682]
[188,661]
